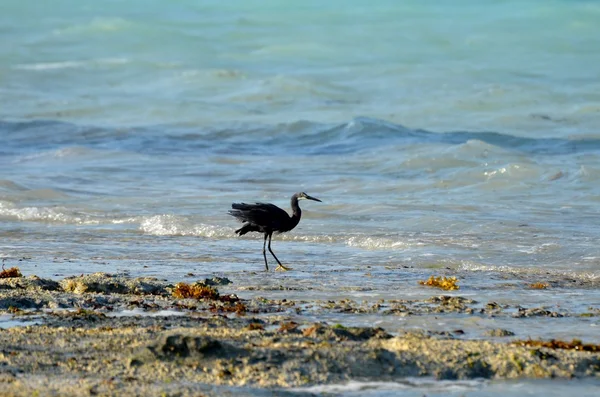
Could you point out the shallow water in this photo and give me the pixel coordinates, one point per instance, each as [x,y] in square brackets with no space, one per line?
[475,388]
[8,321]
[437,147]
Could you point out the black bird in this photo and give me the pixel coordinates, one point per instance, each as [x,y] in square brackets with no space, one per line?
[268,218]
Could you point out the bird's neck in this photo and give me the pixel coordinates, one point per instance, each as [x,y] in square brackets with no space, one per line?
[296,211]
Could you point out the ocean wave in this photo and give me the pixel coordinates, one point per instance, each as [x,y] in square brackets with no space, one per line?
[174,225]
[62,153]
[171,225]
[374,243]
[296,138]
[530,272]
[44,66]
[285,89]
[46,214]
[58,214]
[95,26]
[11,186]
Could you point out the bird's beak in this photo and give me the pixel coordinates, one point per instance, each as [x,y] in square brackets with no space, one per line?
[313,198]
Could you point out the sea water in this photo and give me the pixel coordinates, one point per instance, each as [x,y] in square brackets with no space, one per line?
[443,138]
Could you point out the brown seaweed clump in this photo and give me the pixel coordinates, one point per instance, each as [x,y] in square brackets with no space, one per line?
[539,285]
[10,272]
[446,283]
[239,308]
[255,327]
[575,344]
[195,291]
[289,327]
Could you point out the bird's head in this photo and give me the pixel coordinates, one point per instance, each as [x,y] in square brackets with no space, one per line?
[304,196]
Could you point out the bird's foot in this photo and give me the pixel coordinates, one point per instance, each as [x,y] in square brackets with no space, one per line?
[281,268]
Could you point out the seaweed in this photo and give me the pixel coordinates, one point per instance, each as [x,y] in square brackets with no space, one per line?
[289,327]
[10,272]
[575,344]
[539,285]
[16,311]
[446,283]
[239,308]
[255,327]
[195,291]
[313,330]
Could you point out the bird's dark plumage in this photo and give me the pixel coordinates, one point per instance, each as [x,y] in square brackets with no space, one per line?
[261,217]
[268,219]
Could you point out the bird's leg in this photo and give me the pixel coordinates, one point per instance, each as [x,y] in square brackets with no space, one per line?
[280,267]
[265,253]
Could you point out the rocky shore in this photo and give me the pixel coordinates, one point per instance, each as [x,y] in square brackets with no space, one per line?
[105,334]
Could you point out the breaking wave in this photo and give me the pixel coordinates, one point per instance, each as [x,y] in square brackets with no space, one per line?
[46,214]
[171,225]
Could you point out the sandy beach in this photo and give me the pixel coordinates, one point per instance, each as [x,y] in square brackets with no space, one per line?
[104,334]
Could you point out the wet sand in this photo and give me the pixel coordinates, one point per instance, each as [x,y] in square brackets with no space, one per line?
[113,335]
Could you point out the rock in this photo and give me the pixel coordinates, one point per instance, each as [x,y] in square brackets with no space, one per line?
[21,303]
[146,286]
[30,282]
[345,333]
[499,332]
[98,282]
[105,283]
[535,312]
[187,346]
[215,281]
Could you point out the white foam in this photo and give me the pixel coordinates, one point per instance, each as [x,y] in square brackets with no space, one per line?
[144,313]
[52,214]
[51,65]
[427,384]
[474,267]
[378,243]
[43,66]
[171,225]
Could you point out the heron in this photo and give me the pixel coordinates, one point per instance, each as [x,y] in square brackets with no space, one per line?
[268,218]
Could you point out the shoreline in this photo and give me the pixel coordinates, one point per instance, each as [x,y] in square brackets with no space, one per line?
[109,334]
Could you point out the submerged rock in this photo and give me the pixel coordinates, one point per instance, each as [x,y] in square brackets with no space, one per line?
[535,312]
[499,332]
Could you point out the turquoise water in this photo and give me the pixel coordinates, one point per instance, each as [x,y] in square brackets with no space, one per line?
[443,137]
[474,65]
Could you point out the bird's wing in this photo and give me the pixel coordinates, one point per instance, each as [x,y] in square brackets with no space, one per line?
[261,214]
